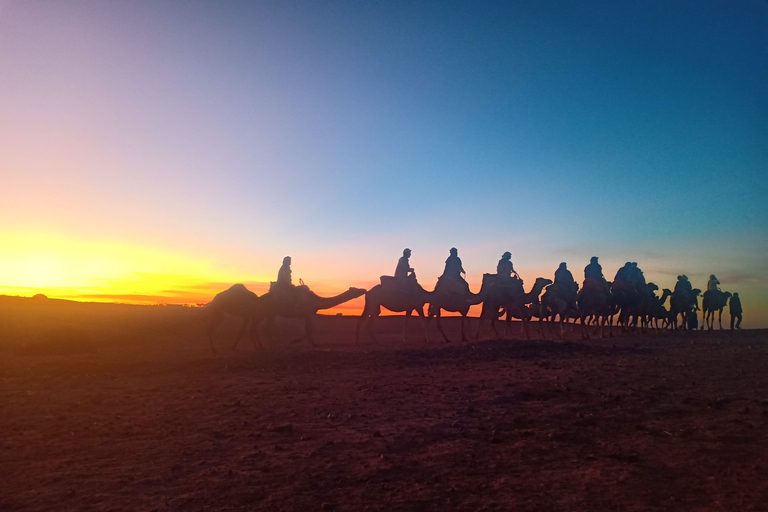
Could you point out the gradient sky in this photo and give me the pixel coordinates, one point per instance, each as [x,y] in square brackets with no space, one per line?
[161,151]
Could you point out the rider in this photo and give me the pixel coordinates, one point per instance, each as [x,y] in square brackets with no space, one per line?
[453,268]
[594,270]
[404,271]
[712,284]
[683,286]
[505,271]
[636,275]
[284,274]
[564,281]
[284,287]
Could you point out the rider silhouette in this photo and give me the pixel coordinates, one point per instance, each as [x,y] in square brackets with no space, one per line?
[504,269]
[284,274]
[404,270]
[564,281]
[712,284]
[594,270]
[453,269]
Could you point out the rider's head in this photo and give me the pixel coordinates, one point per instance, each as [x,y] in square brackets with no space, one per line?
[685,277]
[593,259]
[507,255]
[287,260]
[454,251]
[407,253]
[712,276]
[562,265]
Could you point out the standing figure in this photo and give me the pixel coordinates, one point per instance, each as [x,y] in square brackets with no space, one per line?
[735,307]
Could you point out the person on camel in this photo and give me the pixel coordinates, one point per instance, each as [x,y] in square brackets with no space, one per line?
[404,274]
[683,285]
[284,287]
[564,281]
[712,284]
[684,289]
[453,269]
[505,271]
[735,308]
[594,270]
[593,276]
[635,274]
[284,274]
[623,279]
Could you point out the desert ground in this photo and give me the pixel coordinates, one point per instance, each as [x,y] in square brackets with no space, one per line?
[115,407]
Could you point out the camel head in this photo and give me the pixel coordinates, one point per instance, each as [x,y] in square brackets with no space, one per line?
[652,287]
[356,292]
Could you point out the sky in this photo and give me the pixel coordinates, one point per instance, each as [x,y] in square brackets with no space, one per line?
[158,152]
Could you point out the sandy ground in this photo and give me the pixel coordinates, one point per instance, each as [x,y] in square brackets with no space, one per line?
[107,407]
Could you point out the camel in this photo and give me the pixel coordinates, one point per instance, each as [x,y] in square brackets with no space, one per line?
[452,296]
[513,302]
[682,304]
[714,300]
[236,300]
[395,297]
[303,304]
[598,303]
[658,311]
[555,301]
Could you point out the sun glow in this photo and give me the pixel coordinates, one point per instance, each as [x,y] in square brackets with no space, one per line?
[64,267]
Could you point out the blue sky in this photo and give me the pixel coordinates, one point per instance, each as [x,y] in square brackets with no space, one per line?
[235,133]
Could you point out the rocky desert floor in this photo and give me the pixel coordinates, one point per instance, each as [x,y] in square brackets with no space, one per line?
[112,407]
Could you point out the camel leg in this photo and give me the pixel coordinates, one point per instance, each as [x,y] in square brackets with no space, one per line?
[215,321]
[405,323]
[440,326]
[423,322]
[720,319]
[463,319]
[374,316]
[240,334]
[254,333]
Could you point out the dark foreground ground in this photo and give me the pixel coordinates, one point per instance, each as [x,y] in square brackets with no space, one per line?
[106,407]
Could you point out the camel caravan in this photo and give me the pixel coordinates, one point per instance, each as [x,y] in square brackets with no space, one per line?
[595,304]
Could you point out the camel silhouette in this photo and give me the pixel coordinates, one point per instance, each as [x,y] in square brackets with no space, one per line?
[303,304]
[555,301]
[714,300]
[394,296]
[683,305]
[236,300]
[453,296]
[598,304]
[512,302]
[659,311]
